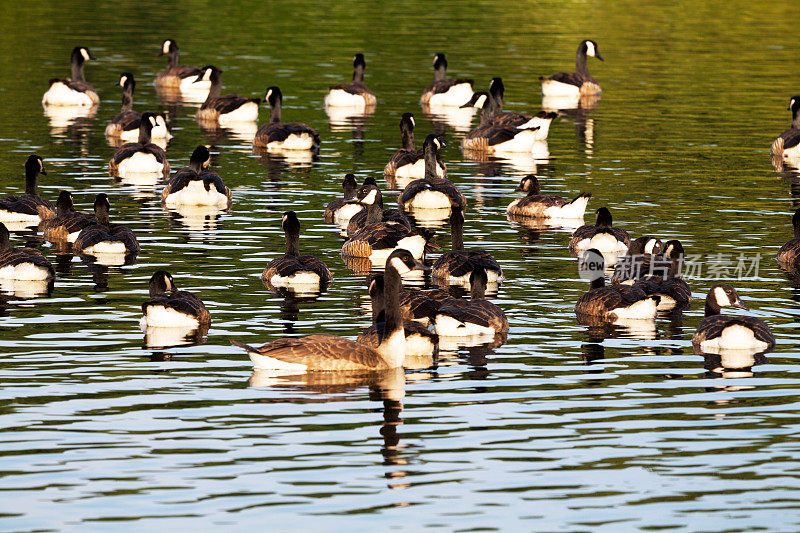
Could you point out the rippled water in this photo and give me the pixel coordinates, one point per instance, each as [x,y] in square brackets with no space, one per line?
[561,428]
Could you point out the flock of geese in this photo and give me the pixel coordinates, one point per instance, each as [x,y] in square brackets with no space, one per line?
[393,242]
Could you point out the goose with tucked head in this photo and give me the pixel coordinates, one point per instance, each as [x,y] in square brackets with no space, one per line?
[177,76]
[600,235]
[431,192]
[578,83]
[169,307]
[75,90]
[277,136]
[354,94]
[332,353]
[718,332]
[491,137]
[540,122]
[537,205]
[29,208]
[141,157]
[197,185]
[227,109]
[444,92]
[292,271]
[22,264]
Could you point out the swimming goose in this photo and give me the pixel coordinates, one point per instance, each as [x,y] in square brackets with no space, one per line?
[613,302]
[103,238]
[29,207]
[443,91]
[75,90]
[576,83]
[723,332]
[330,353]
[641,254]
[542,119]
[490,137]
[601,235]
[370,197]
[378,238]
[336,207]
[227,109]
[668,285]
[789,253]
[179,76]
[142,156]
[787,145]
[457,265]
[277,135]
[176,309]
[23,264]
[408,163]
[421,306]
[126,124]
[458,317]
[293,269]
[67,224]
[431,192]
[538,205]
[354,94]
[419,339]
[197,185]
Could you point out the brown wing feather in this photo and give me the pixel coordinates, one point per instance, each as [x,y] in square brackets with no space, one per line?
[17,256]
[321,353]
[184,302]
[481,312]
[711,327]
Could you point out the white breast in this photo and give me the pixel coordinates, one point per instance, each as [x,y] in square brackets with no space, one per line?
[393,349]
[195,193]
[556,88]
[247,112]
[17,218]
[456,96]
[448,326]
[302,141]
[428,199]
[345,213]
[576,209]
[140,163]
[341,98]
[735,337]
[61,95]
[522,142]
[160,316]
[24,272]
[643,309]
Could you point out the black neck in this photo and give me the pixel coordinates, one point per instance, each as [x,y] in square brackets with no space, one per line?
[407,135]
[391,300]
[797,230]
[349,190]
[31,181]
[457,232]
[796,118]
[431,162]
[477,290]
[5,240]
[196,166]
[101,215]
[489,111]
[358,74]
[216,89]
[711,307]
[275,111]
[377,297]
[598,283]
[292,242]
[440,73]
[127,98]
[173,58]
[144,132]
[375,211]
[77,69]
[580,61]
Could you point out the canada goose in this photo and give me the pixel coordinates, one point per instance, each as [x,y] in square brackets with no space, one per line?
[354,94]
[474,317]
[669,286]
[103,238]
[542,119]
[67,224]
[787,145]
[141,157]
[126,124]
[177,76]
[457,265]
[227,109]
[641,254]
[197,185]
[538,205]
[75,90]
[277,135]
[789,253]
[576,83]
[370,197]
[431,192]
[614,302]
[490,137]
[419,339]
[378,238]
[293,269]
[421,306]
[337,206]
[408,163]
[328,352]
[30,207]
[722,332]
[600,235]
[22,263]
[176,309]
[445,92]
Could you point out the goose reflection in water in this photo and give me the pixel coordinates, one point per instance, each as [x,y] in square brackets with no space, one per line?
[71,123]
[731,365]
[277,163]
[156,337]
[458,118]
[580,111]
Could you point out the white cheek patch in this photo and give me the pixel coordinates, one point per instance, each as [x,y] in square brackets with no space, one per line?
[668,251]
[207,75]
[283,220]
[590,51]
[85,54]
[370,198]
[269,93]
[123,80]
[480,101]
[791,104]
[413,123]
[400,266]
[437,143]
[648,248]
[721,297]
[165,49]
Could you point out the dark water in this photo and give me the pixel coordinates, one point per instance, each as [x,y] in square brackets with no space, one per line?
[561,428]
